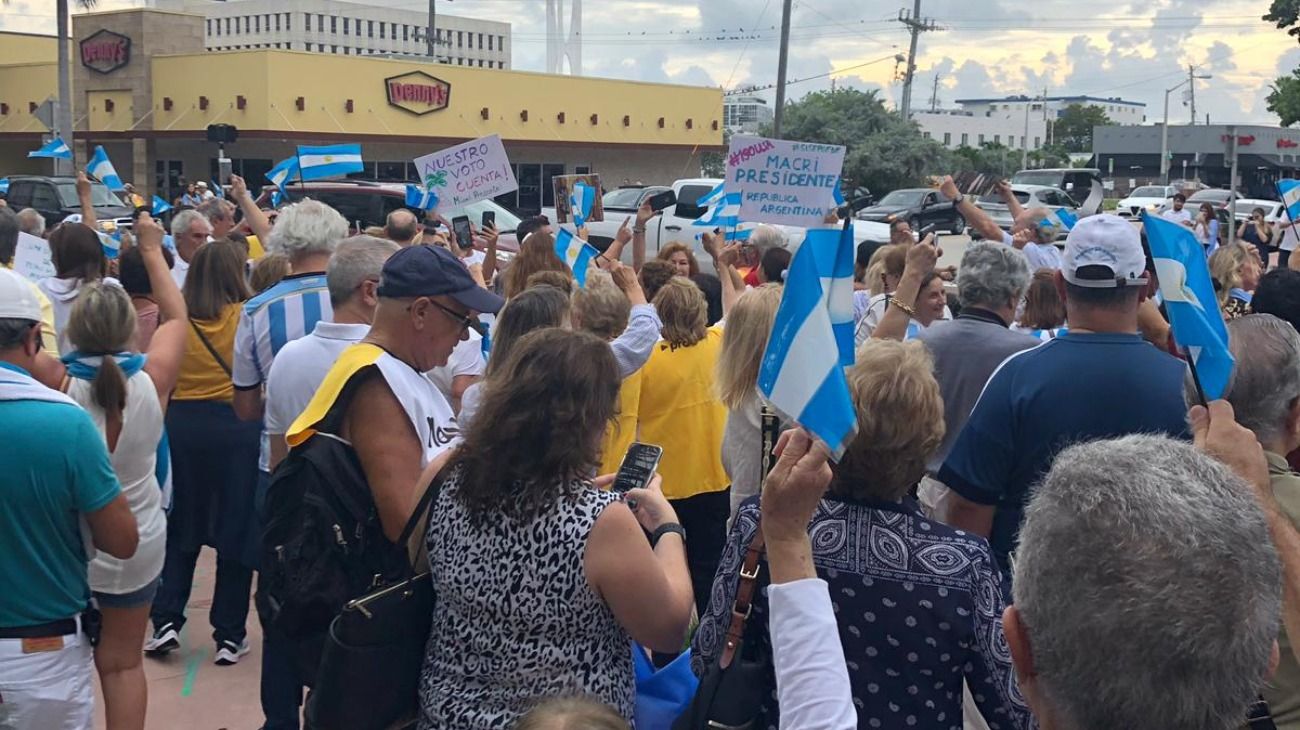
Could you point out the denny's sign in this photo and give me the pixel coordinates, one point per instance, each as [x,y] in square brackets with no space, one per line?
[417,92]
[105,51]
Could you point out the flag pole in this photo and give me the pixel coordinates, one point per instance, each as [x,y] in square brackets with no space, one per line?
[1196,378]
[1282,197]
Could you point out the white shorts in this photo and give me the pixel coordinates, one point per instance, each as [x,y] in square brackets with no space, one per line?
[46,690]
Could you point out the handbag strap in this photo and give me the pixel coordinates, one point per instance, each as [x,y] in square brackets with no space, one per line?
[744,597]
[423,506]
[211,350]
[771,429]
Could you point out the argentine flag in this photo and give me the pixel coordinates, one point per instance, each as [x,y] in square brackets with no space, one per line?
[724,213]
[801,374]
[329,161]
[54,148]
[575,252]
[1289,190]
[100,167]
[283,172]
[581,197]
[1062,218]
[160,206]
[112,245]
[418,197]
[712,196]
[1189,298]
[217,190]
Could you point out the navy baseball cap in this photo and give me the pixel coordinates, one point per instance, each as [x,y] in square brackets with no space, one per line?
[429,271]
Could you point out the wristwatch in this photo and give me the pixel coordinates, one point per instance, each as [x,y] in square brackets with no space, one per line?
[958,200]
[666,528]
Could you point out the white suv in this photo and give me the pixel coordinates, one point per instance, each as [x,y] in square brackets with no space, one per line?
[1148,197]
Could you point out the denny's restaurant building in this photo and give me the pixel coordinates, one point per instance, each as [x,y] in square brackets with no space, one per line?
[145,89]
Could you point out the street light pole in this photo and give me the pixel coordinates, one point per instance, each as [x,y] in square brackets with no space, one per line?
[1024,140]
[1164,127]
[780,70]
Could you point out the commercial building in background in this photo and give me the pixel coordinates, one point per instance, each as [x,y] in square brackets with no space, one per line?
[1199,152]
[1118,110]
[146,89]
[958,128]
[746,114]
[345,28]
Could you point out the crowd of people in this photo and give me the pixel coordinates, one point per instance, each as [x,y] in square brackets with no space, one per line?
[1035,524]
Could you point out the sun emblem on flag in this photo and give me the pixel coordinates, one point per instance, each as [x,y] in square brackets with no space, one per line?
[329,158]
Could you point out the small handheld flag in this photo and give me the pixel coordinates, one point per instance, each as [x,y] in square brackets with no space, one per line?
[418,197]
[713,196]
[575,252]
[217,189]
[1062,218]
[283,172]
[329,161]
[581,197]
[1289,190]
[160,206]
[724,214]
[100,167]
[56,148]
[4,185]
[1188,293]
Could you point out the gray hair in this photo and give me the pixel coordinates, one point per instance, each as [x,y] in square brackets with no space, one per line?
[31,222]
[185,219]
[1266,379]
[216,209]
[354,261]
[765,237]
[14,331]
[1149,587]
[307,227]
[991,275]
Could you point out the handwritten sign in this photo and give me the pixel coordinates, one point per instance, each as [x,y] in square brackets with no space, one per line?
[32,258]
[783,182]
[468,172]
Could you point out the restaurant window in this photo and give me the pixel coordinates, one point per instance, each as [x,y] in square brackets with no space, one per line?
[391,171]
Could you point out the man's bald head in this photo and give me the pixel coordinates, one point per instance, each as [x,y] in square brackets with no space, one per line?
[402,227]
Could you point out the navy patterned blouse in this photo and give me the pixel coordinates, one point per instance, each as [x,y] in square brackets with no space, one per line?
[919,610]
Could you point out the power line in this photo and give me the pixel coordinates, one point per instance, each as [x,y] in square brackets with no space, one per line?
[752,89]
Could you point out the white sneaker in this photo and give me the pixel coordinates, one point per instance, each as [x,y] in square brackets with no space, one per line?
[165,639]
[228,652]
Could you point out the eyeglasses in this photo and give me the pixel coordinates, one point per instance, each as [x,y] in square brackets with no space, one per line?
[464,322]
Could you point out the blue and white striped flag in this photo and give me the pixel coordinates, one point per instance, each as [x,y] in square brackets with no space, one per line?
[1289,190]
[801,374]
[112,245]
[160,206]
[277,197]
[418,197]
[834,252]
[283,172]
[4,185]
[575,252]
[1194,317]
[731,234]
[1062,218]
[100,167]
[333,160]
[712,196]
[54,148]
[724,214]
[581,197]
[217,190]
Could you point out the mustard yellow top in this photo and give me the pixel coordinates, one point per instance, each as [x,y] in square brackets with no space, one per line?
[621,435]
[679,411]
[350,362]
[201,377]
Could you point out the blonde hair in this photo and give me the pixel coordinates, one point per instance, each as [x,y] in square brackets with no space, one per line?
[666,254]
[900,421]
[886,260]
[557,279]
[601,308]
[268,271]
[1225,268]
[215,280]
[571,713]
[102,322]
[743,341]
[684,312]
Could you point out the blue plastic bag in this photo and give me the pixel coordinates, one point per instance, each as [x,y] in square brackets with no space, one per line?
[662,695]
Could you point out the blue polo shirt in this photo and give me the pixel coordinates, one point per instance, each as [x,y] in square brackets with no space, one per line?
[54,468]
[1078,387]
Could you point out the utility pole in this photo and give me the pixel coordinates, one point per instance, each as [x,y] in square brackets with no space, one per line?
[1024,139]
[779,112]
[934,95]
[1191,85]
[63,111]
[916,26]
[1232,183]
[433,29]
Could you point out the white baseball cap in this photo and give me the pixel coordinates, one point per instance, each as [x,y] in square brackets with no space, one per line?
[17,300]
[1104,251]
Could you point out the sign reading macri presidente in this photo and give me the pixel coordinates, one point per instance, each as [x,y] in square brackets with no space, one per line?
[783,182]
[468,172]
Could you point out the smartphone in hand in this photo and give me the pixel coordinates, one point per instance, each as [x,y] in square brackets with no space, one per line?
[489,219]
[464,234]
[662,200]
[638,467]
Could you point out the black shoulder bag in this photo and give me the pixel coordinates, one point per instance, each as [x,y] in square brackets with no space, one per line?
[370,669]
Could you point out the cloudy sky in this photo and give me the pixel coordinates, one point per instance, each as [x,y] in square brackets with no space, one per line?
[1133,50]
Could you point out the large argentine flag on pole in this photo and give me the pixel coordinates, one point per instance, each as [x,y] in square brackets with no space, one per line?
[1189,299]
[329,161]
[575,252]
[834,253]
[801,374]
[99,166]
[1290,191]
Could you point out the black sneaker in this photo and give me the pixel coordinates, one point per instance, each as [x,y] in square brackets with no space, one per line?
[228,652]
[165,640]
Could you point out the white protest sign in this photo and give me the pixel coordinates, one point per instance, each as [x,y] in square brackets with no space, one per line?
[783,182]
[468,172]
[32,258]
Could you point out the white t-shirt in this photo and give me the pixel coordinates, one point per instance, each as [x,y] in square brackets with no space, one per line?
[1289,239]
[473,257]
[1040,255]
[1181,217]
[180,267]
[876,311]
[300,368]
[466,359]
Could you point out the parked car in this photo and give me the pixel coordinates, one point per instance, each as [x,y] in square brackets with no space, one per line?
[920,207]
[1082,184]
[55,197]
[1218,197]
[367,203]
[1274,212]
[1030,196]
[625,200]
[1148,197]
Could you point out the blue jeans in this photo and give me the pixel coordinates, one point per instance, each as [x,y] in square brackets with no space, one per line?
[229,599]
[281,688]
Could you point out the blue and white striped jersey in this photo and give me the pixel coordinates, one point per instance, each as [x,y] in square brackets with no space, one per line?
[274,318]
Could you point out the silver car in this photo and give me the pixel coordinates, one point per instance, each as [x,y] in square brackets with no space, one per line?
[1030,196]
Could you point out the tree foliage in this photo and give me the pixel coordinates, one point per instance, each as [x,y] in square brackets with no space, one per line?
[1285,14]
[1284,99]
[1073,127]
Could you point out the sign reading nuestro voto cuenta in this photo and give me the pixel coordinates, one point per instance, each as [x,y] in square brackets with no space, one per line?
[468,172]
[417,92]
[783,182]
[105,51]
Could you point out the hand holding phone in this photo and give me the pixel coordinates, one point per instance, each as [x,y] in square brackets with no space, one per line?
[489,219]
[638,467]
[464,233]
[662,200]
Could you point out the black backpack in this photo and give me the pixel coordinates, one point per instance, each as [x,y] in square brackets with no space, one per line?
[322,542]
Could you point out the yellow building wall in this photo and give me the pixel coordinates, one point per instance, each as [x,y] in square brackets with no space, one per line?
[27,48]
[117,119]
[20,85]
[272,82]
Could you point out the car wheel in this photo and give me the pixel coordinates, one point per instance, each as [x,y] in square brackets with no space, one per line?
[958,225]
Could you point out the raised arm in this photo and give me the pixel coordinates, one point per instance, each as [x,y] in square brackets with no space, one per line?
[724,259]
[901,307]
[167,347]
[1009,197]
[634,346]
[615,251]
[257,221]
[87,203]
[490,236]
[975,217]
[643,216]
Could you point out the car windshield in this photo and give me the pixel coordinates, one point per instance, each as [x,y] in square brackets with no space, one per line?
[1150,191]
[907,198]
[1051,179]
[100,196]
[622,198]
[507,222]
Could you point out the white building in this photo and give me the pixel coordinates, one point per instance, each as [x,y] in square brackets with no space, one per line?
[1120,111]
[955,128]
[745,114]
[348,28]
